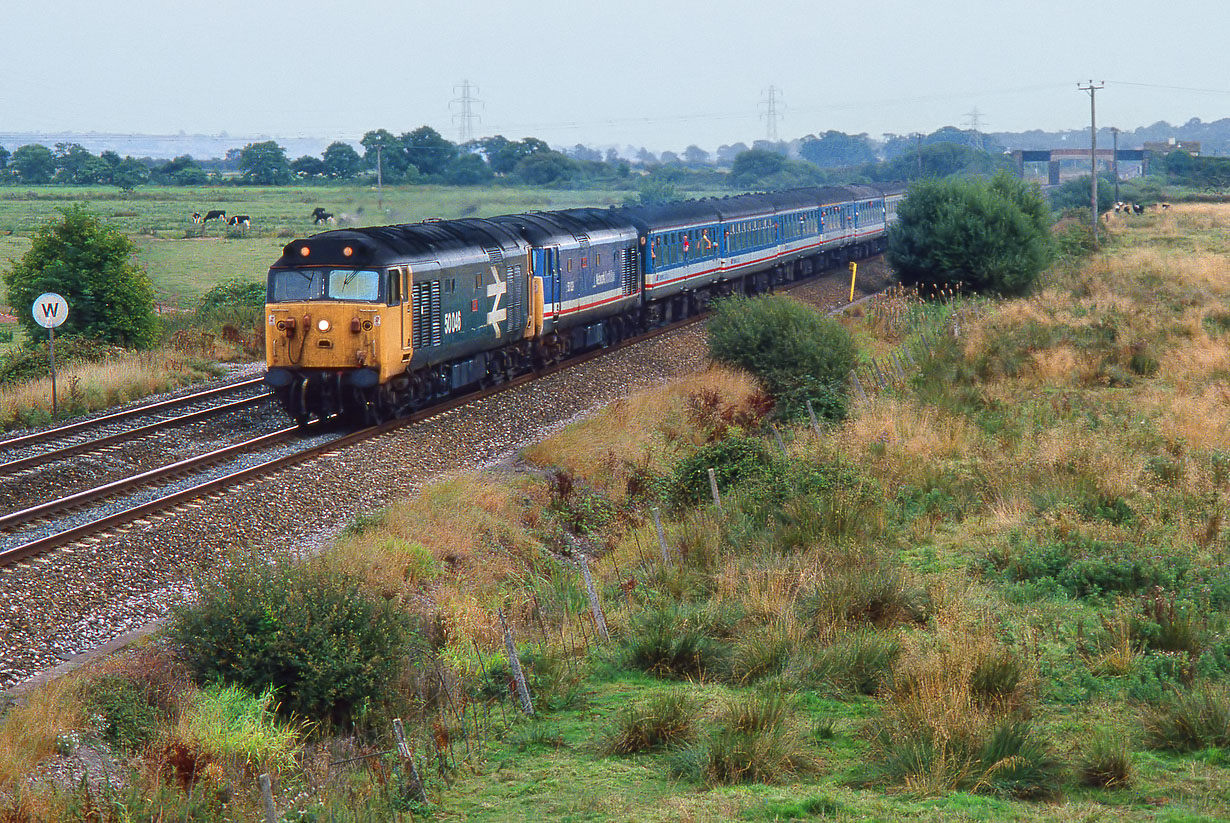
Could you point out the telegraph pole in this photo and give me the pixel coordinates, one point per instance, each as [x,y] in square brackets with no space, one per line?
[1093,150]
[1114,162]
[379,179]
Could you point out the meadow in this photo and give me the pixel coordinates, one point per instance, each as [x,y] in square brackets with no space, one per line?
[997,591]
[185,259]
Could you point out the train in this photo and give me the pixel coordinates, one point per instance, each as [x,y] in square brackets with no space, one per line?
[368,324]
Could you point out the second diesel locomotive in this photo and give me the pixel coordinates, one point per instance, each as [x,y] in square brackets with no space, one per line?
[372,323]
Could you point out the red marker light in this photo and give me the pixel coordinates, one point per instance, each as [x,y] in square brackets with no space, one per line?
[304,251]
[347,251]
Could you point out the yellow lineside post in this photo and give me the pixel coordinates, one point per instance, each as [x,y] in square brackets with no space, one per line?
[853,274]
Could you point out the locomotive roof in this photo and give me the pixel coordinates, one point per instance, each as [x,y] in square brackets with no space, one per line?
[545,227]
[378,245]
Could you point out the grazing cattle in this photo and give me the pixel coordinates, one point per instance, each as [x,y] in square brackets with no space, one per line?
[1137,208]
[322,216]
[1165,206]
[213,214]
[196,217]
[1119,205]
[239,220]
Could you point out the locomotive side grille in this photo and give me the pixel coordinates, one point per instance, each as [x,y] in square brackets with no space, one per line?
[428,328]
[494,254]
[516,311]
[627,270]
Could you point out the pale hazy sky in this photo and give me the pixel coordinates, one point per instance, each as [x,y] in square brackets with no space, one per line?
[659,74]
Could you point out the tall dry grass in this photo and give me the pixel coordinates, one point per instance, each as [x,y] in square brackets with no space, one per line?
[28,732]
[89,387]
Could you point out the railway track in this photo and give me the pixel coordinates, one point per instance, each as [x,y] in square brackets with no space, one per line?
[70,603]
[60,522]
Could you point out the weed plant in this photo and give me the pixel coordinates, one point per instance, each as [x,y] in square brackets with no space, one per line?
[662,720]
[1188,721]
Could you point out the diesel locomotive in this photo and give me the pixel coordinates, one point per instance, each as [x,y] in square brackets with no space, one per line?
[373,323]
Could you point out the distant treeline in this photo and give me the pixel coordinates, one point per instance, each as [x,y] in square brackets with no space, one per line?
[424,156]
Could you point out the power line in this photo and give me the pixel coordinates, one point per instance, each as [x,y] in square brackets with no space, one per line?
[466,116]
[770,115]
[1093,151]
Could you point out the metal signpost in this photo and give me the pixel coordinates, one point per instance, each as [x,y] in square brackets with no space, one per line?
[50,310]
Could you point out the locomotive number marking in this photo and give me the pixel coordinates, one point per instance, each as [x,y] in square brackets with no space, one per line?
[452,322]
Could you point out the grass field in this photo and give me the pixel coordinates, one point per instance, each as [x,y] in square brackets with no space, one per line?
[997,592]
[184,260]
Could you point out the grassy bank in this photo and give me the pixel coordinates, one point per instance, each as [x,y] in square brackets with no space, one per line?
[997,591]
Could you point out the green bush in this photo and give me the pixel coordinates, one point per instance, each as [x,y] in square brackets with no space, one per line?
[1106,761]
[124,716]
[234,301]
[796,352]
[109,297]
[227,723]
[664,719]
[992,236]
[860,662]
[755,741]
[734,460]
[673,641]
[1189,721]
[871,590]
[317,638]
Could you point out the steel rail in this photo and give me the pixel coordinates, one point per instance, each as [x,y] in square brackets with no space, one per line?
[93,422]
[14,466]
[42,545]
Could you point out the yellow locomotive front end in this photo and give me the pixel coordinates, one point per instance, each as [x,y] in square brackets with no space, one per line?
[333,334]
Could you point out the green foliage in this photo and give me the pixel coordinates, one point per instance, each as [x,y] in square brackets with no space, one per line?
[320,640]
[227,723]
[666,718]
[991,236]
[78,256]
[755,741]
[1189,721]
[1077,194]
[1008,759]
[33,164]
[858,662]
[1080,567]
[870,589]
[835,149]
[1106,761]
[234,301]
[768,170]
[124,716]
[264,164]
[798,353]
[673,641]
[734,460]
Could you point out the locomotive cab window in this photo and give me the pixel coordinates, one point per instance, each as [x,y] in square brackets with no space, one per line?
[292,285]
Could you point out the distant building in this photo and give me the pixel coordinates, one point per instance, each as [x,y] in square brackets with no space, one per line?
[1192,147]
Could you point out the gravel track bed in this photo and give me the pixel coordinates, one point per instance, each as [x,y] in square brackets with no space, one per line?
[58,606]
[89,469]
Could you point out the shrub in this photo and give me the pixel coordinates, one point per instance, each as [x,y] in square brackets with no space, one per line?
[672,641]
[1188,721]
[796,352]
[323,643]
[733,460]
[1106,761]
[235,301]
[860,662]
[875,590]
[998,677]
[664,719]
[758,653]
[992,236]
[124,717]
[755,742]
[109,297]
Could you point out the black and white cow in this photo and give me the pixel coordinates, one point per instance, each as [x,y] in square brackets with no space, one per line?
[319,216]
[239,220]
[213,214]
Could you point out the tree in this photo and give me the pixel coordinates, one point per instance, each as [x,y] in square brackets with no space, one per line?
[264,164]
[4,157]
[131,173]
[181,171]
[428,151]
[543,167]
[341,161]
[111,299]
[33,163]
[76,165]
[468,170]
[991,236]
[384,149]
[503,154]
[307,167]
[695,156]
[755,165]
[834,149]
